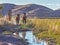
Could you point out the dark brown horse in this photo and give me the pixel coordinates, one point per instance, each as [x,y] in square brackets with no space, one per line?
[17,18]
[9,15]
[24,18]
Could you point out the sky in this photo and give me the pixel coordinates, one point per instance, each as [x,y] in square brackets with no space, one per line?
[53,4]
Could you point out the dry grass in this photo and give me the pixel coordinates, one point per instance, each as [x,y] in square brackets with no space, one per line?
[44,28]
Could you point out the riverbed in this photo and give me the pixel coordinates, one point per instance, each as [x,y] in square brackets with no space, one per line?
[31,39]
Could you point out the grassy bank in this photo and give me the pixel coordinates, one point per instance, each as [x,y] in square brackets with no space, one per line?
[47,29]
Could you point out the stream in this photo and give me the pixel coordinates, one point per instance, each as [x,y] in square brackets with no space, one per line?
[31,38]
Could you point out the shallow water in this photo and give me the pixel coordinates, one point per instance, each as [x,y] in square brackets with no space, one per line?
[32,39]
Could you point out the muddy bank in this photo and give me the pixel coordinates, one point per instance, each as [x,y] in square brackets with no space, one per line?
[8,40]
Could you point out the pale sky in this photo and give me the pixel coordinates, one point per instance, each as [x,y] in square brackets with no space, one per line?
[53,4]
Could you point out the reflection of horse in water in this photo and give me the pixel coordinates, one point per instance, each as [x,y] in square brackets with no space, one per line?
[23,34]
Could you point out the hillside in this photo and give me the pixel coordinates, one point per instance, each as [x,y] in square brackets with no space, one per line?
[32,10]
[7,7]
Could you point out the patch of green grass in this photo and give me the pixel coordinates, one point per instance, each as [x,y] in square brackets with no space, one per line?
[7,32]
[23,26]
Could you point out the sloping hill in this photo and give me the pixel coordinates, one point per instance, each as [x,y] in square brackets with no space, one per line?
[32,10]
[7,7]
[57,13]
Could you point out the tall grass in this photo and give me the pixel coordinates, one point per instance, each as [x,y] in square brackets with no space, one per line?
[47,28]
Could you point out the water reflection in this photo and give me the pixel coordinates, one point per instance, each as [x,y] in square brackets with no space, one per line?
[32,39]
[22,35]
